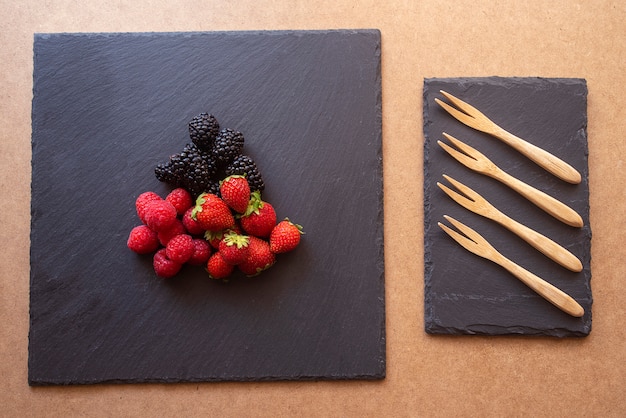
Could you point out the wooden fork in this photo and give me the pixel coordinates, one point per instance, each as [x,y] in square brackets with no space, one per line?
[476,244]
[473,118]
[476,203]
[474,160]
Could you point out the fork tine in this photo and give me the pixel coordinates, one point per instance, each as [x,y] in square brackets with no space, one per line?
[469,232]
[457,155]
[457,114]
[471,194]
[457,197]
[472,152]
[465,242]
[465,107]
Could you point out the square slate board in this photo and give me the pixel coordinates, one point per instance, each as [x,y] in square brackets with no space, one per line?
[107,108]
[466,294]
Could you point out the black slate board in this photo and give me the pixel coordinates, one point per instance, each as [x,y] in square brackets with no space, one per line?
[107,108]
[466,294]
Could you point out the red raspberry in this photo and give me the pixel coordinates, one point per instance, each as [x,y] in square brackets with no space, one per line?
[142,240]
[218,268]
[191,225]
[180,248]
[180,199]
[160,215]
[163,266]
[166,235]
[201,253]
[142,201]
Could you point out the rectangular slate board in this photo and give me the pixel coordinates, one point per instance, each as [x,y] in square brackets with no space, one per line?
[466,294]
[107,108]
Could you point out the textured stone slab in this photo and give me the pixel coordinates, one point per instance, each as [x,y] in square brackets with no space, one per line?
[465,294]
[107,108]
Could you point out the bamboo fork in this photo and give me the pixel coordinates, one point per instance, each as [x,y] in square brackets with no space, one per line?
[476,244]
[476,203]
[474,160]
[473,118]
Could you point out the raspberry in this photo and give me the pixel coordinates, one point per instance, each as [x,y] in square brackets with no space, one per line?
[201,253]
[142,202]
[191,225]
[163,266]
[180,248]
[160,215]
[180,199]
[142,240]
[166,235]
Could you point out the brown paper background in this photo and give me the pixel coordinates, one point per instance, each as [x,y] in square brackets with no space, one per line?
[426,375]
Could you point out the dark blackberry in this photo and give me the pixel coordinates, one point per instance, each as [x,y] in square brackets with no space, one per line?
[171,172]
[228,145]
[244,165]
[202,130]
[198,171]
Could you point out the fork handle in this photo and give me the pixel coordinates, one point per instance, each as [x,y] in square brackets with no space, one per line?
[543,158]
[552,294]
[542,243]
[546,202]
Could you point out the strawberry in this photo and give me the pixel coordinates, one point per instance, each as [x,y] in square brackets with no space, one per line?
[234,248]
[201,253]
[260,257]
[142,201]
[180,199]
[260,217]
[212,213]
[235,191]
[160,215]
[163,266]
[180,248]
[215,237]
[285,237]
[142,240]
[218,268]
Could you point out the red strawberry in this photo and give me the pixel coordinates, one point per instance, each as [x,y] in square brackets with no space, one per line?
[160,215]
[163,266]
[234,248]
[142,201]
[142,240]
[191,225]
[260,257]
[166,235]
[180,199]
[218,268]
[212,213]
[201,253]
[260,217]
[285,237]
[180,248]
[235,191]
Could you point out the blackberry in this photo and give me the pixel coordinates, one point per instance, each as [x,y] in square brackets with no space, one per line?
[198,169]
[202,130]
[227,146]
[244,165]
[192,169]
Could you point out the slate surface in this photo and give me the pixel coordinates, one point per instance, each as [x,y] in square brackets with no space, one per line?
[107,108]
[466,294]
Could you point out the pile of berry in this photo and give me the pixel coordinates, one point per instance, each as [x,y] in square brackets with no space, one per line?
[228,226]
